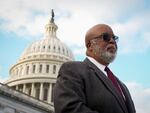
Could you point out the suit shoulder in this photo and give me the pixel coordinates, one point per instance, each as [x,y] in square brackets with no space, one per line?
[74,63]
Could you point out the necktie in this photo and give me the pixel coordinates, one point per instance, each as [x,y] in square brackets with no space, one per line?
[113,80]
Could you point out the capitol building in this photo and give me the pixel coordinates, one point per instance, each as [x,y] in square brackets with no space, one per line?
[29,88]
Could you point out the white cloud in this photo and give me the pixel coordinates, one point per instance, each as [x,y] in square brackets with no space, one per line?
[79,51]
[141,97]
[134,34]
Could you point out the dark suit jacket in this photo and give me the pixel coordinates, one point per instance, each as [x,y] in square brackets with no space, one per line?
[82,88]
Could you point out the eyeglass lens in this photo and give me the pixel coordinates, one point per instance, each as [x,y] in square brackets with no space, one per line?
[107,37]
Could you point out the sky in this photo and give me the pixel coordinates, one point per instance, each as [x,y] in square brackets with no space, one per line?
[23,22]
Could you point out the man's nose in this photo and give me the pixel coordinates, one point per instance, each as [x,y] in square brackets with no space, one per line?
[112,40]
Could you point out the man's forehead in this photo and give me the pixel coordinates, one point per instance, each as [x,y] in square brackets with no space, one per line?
[99,29]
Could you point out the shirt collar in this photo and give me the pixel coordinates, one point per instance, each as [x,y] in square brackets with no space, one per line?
[100,66]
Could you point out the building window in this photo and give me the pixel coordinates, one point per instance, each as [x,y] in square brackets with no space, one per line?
[49,47]
[29,91]
[45,94]
[54,48]
[33,69]
[13,87]
[47,68]
[59,49]
[63,51]
[37,93]
[27,70]
[40,70]
[54,69]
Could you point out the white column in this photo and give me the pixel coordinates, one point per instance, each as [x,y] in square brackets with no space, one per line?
[16,87]
[41,91]
[37,68]
[32,90]
[24,88]
[50,93]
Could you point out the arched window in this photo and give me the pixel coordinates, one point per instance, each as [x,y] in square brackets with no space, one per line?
[40,70]
[63,51]
[67,52]
[27,70]
[33,69]
[54,48]
[49,47]
[47,68]
[59,49]
[54,69]
[43,47]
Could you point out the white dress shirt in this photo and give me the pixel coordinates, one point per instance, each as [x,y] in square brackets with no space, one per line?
[100,66]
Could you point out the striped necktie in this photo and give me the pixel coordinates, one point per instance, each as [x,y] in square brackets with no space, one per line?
[114,80]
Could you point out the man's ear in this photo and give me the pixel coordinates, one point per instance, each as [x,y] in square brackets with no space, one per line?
[88,44]
[90,47]
[89,51]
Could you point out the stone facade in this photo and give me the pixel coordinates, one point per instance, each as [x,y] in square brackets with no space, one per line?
[13,101]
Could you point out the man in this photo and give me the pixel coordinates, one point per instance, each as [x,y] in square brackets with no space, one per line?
[89,86]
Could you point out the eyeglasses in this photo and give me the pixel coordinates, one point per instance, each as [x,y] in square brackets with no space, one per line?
[107,37]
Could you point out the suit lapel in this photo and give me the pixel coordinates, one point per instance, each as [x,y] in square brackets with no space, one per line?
[108,84]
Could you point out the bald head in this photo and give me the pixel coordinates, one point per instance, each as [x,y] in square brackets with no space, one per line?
[96,31]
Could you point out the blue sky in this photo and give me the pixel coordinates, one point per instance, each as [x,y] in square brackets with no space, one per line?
[23,21]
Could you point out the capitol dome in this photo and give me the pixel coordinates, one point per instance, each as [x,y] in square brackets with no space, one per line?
[36,70]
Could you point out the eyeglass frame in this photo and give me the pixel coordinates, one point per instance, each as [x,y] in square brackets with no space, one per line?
[114,37]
